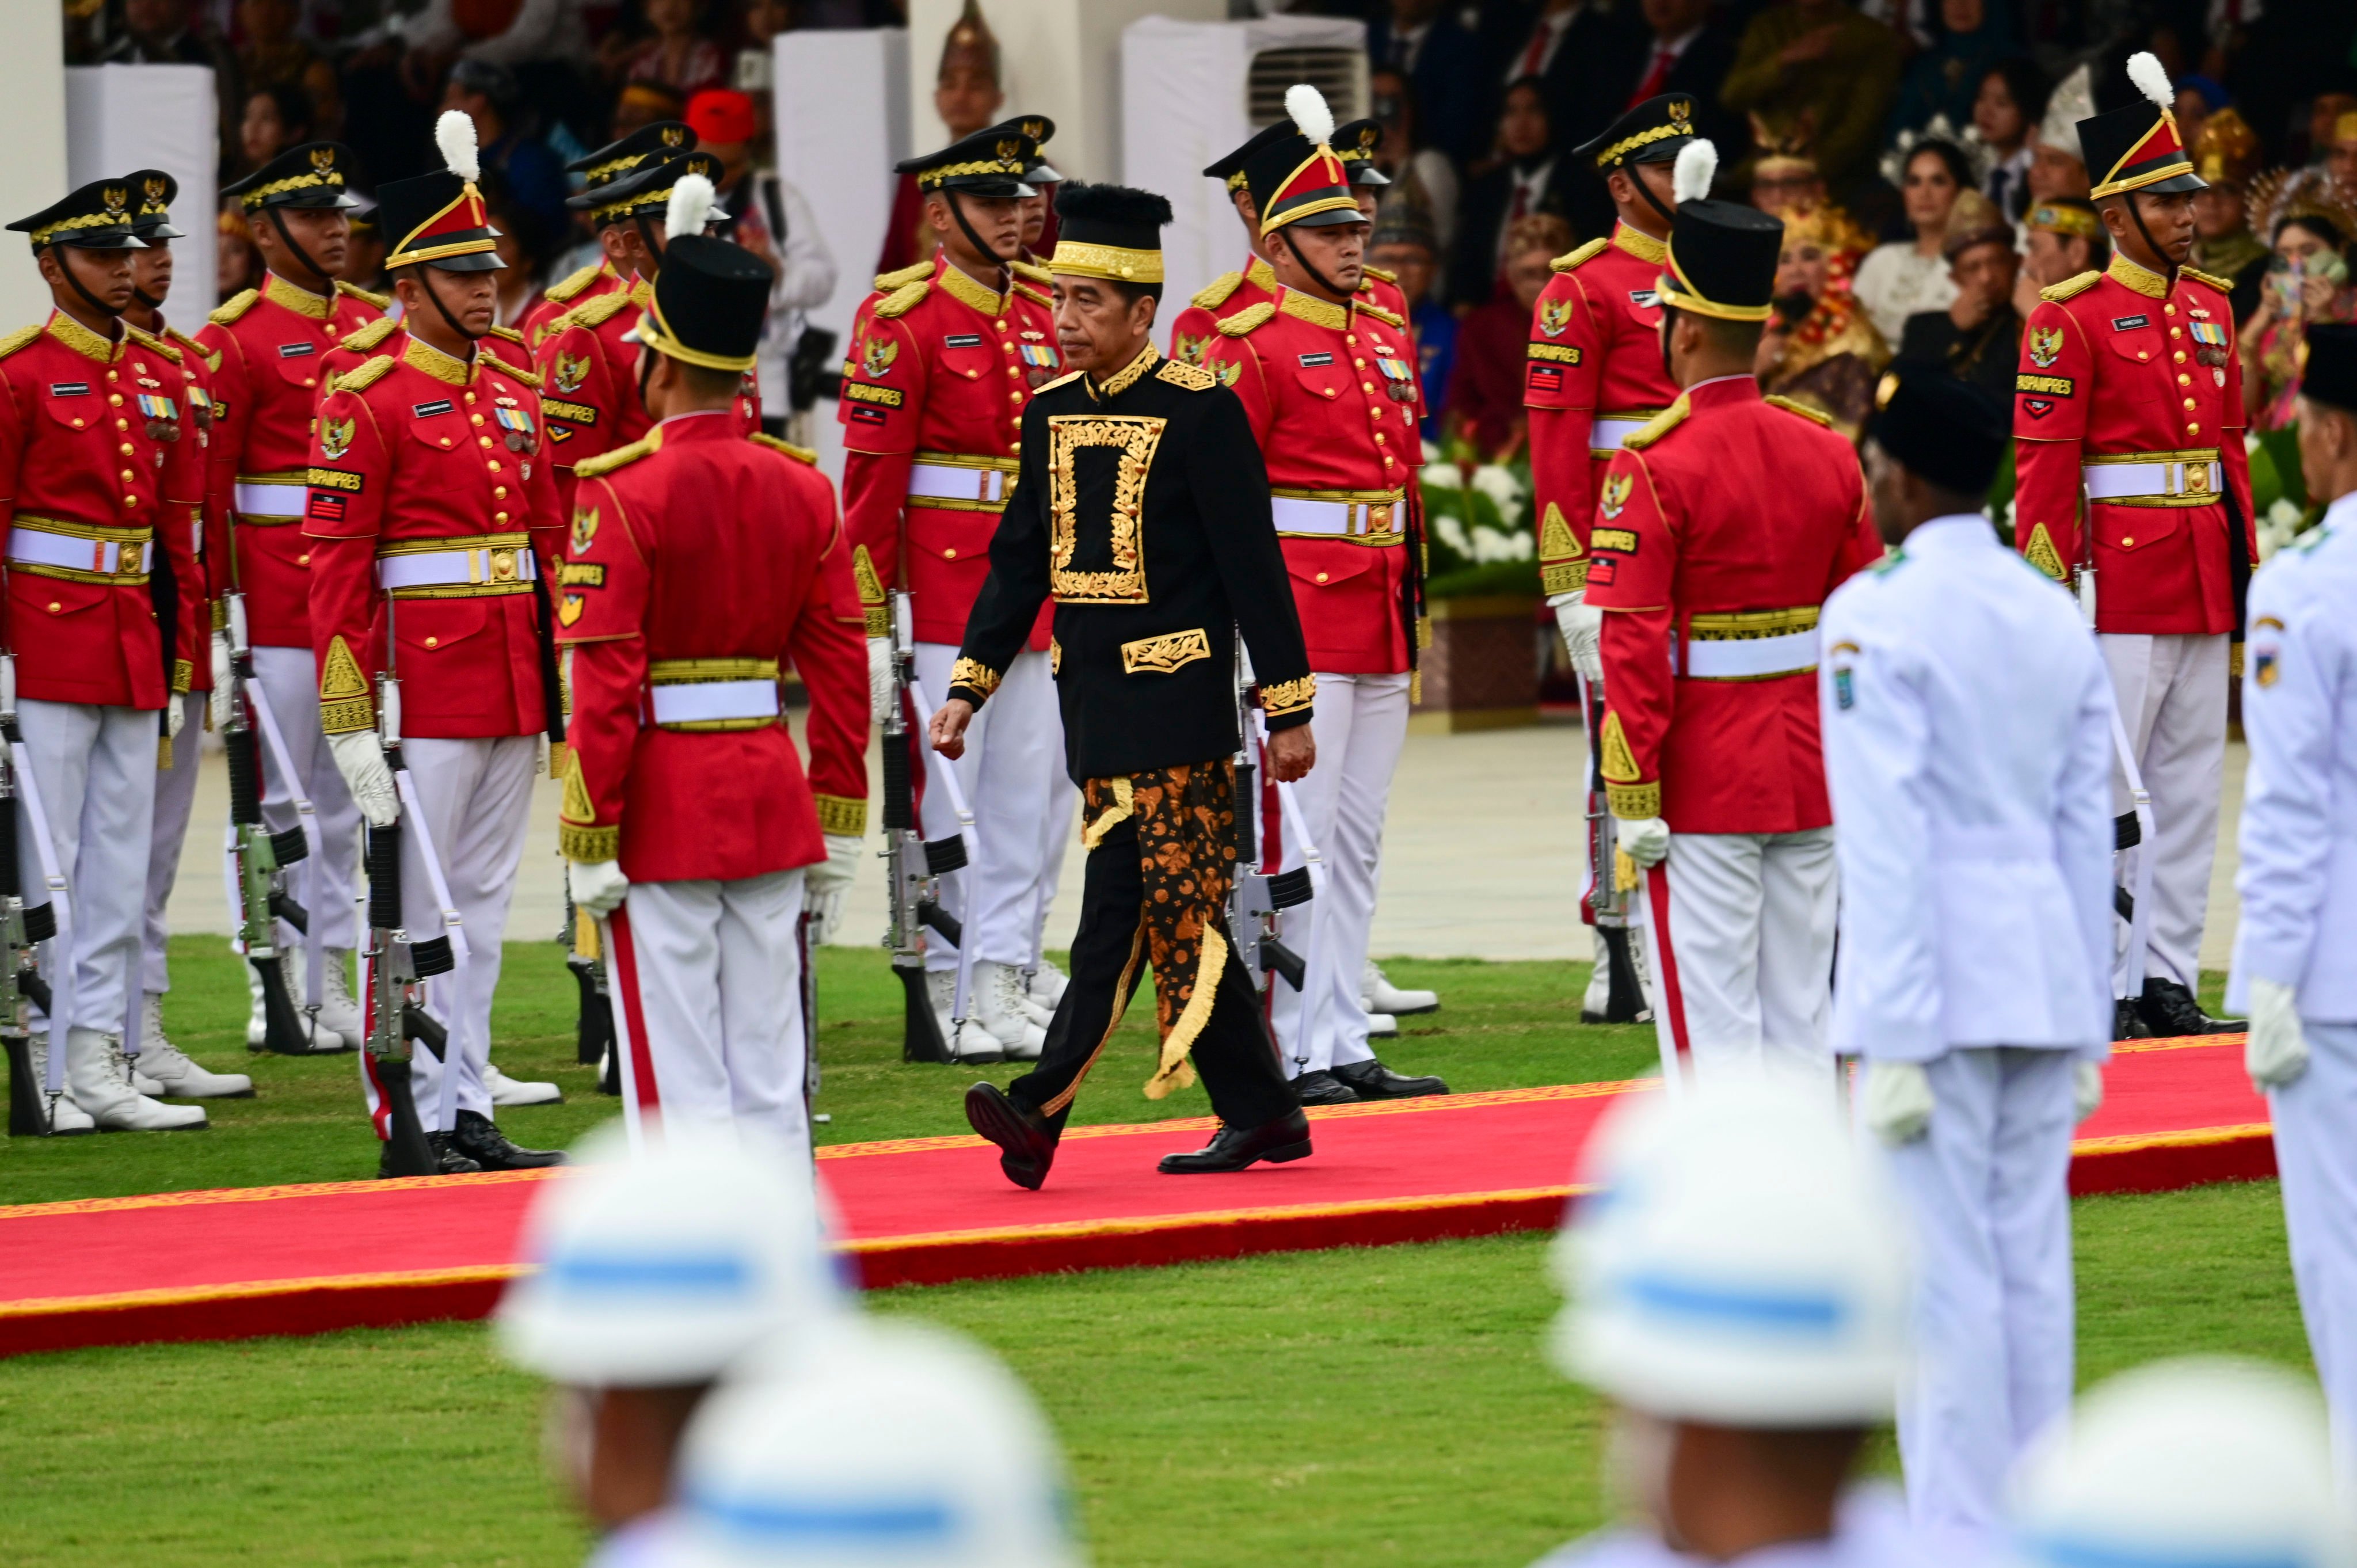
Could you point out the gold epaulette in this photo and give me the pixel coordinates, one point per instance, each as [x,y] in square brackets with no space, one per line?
[571,284]
[366,296]
[1381,274]
[235,305]
[1213,295]
[362,376]
[370,336]
[509,333]
[189,345]
[591,312]
[1244,321]
[607,462]
[1660,425]
[20,338]
[1573,258]
[916,273]
[1380,314]
[1028,292]
[2070,287]
[904,299]
[1032,270]
[529,378]
[1059,381]
[1194,378]
[149,341]
[799,453]
[2223,286]
[1814,416]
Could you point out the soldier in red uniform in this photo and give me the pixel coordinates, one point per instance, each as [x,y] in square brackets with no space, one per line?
[1720,527]
[106,489]
[934,385]
[272,345]
[1329,384]
[698,569]
[1355,145]
[2128,425]
[1194,329]
[664,139]
[433,527]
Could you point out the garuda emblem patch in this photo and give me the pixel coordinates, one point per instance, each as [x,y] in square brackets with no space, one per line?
[335,438]
[1613,494]
[569,371]
[876,354]
[1555,315]
[2045,346]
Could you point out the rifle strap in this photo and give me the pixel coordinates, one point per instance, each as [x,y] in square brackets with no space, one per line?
[414,817]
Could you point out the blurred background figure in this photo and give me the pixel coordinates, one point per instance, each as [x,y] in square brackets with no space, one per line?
[967,97]
[534,175]
[1944,80]
[1428,42]
[1820,65]
[2056,168]
[1820,349]
[2012,97]
[1484,395]
[277,117]
[1403,242]
[2061,237]
[2226,155]
[1978,337]
[1528,180]
[1904,277]
[2308,228]
[1421,171]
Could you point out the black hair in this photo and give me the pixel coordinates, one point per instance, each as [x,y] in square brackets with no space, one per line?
[1960,168]
[2316,223]
[2027,86]
[293,106]
[1728,337]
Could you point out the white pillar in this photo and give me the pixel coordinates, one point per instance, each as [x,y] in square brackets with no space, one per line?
[33,132]
[125,117]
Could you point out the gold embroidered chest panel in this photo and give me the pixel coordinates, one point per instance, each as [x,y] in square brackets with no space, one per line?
[1097,465]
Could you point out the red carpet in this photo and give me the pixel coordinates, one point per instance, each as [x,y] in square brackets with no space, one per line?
[298,1260]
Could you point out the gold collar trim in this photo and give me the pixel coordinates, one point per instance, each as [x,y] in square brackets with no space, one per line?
[1262,276]
[296,297]
[82,339]
[421,354]
[1122,380]
[2134,275]
[1315,311]
[1640,244]
[967,292]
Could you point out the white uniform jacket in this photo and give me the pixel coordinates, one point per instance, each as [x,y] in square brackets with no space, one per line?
[2298,876]
[1968,736]
[1870,1530]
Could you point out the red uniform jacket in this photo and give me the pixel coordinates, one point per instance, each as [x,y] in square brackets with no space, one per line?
[103,479]
[1330,390]
[1197,328]
[431,476]
[566,295]
[1719,530]
[938,374]
[2130,385]
[1595,351]
[273,343]
[197,366]
[696,557]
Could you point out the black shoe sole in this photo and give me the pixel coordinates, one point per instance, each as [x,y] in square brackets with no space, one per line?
[997,1122]
[1407,1011]
[1283,1154]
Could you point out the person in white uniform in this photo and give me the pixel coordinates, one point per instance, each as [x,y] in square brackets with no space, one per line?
[1967,734]
[2295,951]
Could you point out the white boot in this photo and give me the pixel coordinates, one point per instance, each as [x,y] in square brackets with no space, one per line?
[1598,1002]
[506,1091]
[1378,994]
[997,1003]
[969,1043]
[169,1067]
[99,1078]
[338,1011]
[66,1118]
[1047,985]
[1382,1026]
[257,1023]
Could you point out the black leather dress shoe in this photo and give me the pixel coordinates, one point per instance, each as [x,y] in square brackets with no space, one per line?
[1026,1144]
[1322,1088]
[2168,1009]
[1233,1148]
[479,1139]
[447,1161]
[2127,1024]
[1371,1080]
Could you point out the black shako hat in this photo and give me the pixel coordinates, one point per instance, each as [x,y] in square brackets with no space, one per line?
[313,175]
[2137,146]
[1722,261]
[1355,145]
[643,191]
[152,192]
[709,302]
[664,139]
[438,220]
[1111,231]
[2331,373]
[1950,431]
[1230,170]
[1651,133]
[1295,177]
[98,217]
[990,163]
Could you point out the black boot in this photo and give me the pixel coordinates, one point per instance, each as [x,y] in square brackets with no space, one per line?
[448,1160]
[2127,1024]
[482,1140]
[2169,1010]
[1233,1148]
[1322,1088]
[1371,1080]
[1026,1143]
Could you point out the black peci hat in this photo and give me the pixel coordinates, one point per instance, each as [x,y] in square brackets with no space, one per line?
[643,191]
[2136,147]
[438,220]
[98,217]
[1295,177]
[1110,231]
[709,303]
[155,191]
[2329,375]
[1355,145]
[990,163]
[1651,133]
[664,139]
[313,175]
[1950,431]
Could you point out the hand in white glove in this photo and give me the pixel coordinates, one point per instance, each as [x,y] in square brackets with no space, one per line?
[360,759]
[880,679]
[597,884]
[2087,1089]
[2277,1051]
[1583,635]
[823,883]
[218,698]
[1896,1100]
[176,714]
[1647,840]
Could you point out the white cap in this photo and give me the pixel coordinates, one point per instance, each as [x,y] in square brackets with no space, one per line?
[874,1445]
[1741,1260]
[664,1269]
[2073,100]
[2183,1464]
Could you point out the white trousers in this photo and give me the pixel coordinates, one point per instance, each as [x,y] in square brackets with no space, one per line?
[1988,1186]
[1747,974]
[326,880]
[2172,697]
[1013,775]
[95,767]
[710,976]
[1360,724]
[2317,1162]
[175,799]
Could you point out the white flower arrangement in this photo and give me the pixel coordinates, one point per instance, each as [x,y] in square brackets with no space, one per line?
[1505,492]
[2280,527]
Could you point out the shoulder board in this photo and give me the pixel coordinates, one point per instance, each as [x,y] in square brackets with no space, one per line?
[902,300]
[1585,253]
[799,453]
[149,341]
[1814,416]
[366,296]
[529,378]
[1380,314]
[507,333]
[1213,295]
[916,273]
[2223,286]
[1067,377]
[1028,292]
[1244,321]
[1381,274]
[607,462]
[1660,425]
[1032,270]
[21,337]
[370,336]
[592,312]
[1898,558]
[2069,288]
[235,305]
[364,376]
[1194,378]
[571,284]
[2308,544]
[191,346]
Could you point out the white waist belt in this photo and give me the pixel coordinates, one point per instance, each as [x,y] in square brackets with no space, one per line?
[1751,658]
[1341,519]
[271,499]
[2115,481]
[699,701]
[944,482]
[458,568]
[40,547]
[1611,429]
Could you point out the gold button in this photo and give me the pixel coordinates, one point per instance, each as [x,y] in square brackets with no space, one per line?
[2126,539]
[1361,363]
[2178,355]
[470,397]
[130,501]
[433,642]
[2177,332]
[950,554]
[1380,438]
[482,441]
[499,492]
[1002,326]
[119,425]
[499,516]
[2189,405]
[115,398]
[310,381]
[126,448]
[446,441]
[331,329]
[303,560]
[494,464]
[54,606]
[1366,386]
[475,418]
[2192,428]
[1016,396]
[112,377]
[2142,355]
[1321,577]
[1350,337]
[1387,462]
[2183,380]
[128,475]
[1012,371]
[1008,346]
[2168,310]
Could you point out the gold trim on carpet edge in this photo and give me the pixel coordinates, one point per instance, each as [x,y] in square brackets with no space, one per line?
[260,1194]
[481,1273]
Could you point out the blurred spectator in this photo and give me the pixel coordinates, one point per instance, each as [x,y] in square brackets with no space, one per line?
[2056,168]
[755,70]
[966,97]
[2065,238]
[2340,152]
[1687,53]
[523,246]
[2012,96]
[1484,399]
[486,94]
[270,53]
[2197,98]
[640,104]
[1529,181]
[513,33]
[2226,155]
[277,117]
[1423,172]
[1819,66]
[1820,349]
[235,266]
[1403,240]
[1583,57]
[1425,40]
[1785,177]
[1901,279]
[1978,337]
[1944,80]
[364,253]
[163,32]
[682,54]
[2310,228]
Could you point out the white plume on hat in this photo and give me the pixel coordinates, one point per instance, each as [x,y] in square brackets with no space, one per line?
[1697,166]
[1311,115]
[2151,79]
[454,134]
[691,204]
[2073,100]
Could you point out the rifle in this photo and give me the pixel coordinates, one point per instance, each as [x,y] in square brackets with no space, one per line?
[913,867]
[394,965]
[20,928]
[585,956]
[260,857]
[1258,896]
[2131,829]
[1607,899]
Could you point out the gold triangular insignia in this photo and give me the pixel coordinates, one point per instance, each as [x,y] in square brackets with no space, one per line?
[863,572]
[577,807]
[2041,553]
[1557,540]
[1619,763]
[342,680]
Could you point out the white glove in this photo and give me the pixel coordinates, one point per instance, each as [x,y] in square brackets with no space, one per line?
[360,759]
[1647,840]
[880,679]
[1583,635]
[2277,1051]
[1896,1100]
[2087,1089]
[597,884]
[218,698]
[823,883]
[176,714]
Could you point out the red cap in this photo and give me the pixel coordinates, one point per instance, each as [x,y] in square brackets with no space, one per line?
[719,114]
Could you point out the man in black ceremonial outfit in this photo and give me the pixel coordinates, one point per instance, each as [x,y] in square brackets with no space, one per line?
[1142,507]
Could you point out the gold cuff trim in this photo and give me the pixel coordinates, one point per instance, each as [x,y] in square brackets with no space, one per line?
[1162,655]
[841,815]
[1564,577]
[1287,696]
[346,717]
[184,676]
[581,843]
[1633,802]
[975,676]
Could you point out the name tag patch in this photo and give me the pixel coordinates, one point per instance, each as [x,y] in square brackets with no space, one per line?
[1561,353]
[964,341]
[296,350]
[2050,386]
[337,480]
[1644,298]
[1621,539]
[428,410]
[2129,323]
[578,412]
[883,397]
[581,574]
[69,389]
[1310,361]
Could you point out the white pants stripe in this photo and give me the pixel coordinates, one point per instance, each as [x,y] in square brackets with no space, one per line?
[1360,724]
[326,882]
[2172,696]
[1988,1186]
[1751,931]
[96,769]
[2317,1159]
[176,800]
